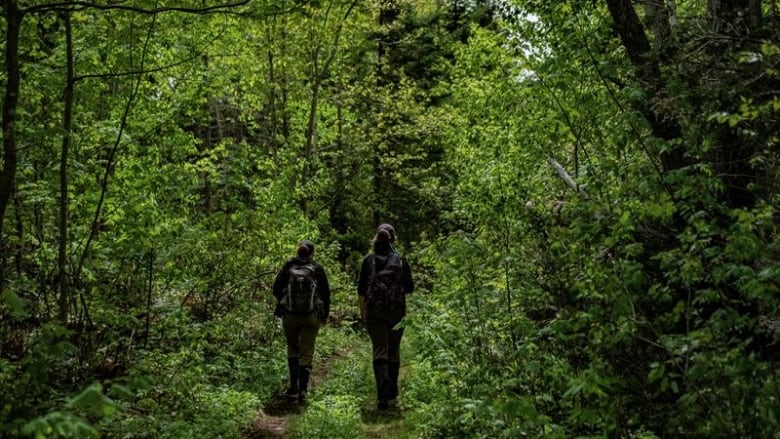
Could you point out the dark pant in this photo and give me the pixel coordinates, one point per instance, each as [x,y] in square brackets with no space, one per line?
[301,333]
[385,340]
[386,344]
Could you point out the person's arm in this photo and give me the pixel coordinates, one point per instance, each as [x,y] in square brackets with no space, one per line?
[280,283]
[362,285]
[365,268]
[362,307]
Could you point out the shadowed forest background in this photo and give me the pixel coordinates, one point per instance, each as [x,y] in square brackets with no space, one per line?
[587,192]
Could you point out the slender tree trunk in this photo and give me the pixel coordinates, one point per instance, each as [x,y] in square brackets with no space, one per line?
[283,110]
[388,13]
[311,123]
[648,72]
[19,248]
[273,129]
[319,70]
[338,217]
[311,136]
[67,127]
[279,125]
[13,18]
[739,21]
[208,145]
[149,290]
[285,91]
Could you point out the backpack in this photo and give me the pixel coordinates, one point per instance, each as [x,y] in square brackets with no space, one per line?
[385,283]
[301,290]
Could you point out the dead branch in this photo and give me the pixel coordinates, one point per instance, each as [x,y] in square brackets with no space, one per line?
[567,178]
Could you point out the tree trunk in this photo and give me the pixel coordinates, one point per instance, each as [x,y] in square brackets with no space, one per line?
[648,72]
[311,133]
[67,127]
[739,21]
[338,217]
[279,123]
[273,130]
[389,12]
[18,251]
[13,19]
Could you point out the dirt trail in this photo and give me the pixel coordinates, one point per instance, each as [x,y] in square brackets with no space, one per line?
[274,420]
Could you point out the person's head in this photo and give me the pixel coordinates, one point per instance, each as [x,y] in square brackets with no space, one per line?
[305,249]
[385,233]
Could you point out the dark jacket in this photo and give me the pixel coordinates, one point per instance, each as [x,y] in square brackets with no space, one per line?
[381,251]
[323,288]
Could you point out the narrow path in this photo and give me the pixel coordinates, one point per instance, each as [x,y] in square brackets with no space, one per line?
[341,401]
[334,344]
[274,420]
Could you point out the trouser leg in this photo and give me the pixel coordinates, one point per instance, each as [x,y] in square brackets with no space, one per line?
[382,382]
[394,361]
[379,333]
[303,383]
[309,330]
[385,343]
[394,344]
[292,367]
[393,369]
[292,331]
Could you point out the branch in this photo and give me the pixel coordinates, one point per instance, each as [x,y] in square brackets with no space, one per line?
[567,178]
[336,39]
[81,5]
[147,71]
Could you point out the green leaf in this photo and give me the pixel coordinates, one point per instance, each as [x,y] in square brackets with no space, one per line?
[14,302]
[92,401]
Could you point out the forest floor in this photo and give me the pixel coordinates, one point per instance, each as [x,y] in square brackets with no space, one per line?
[341,400]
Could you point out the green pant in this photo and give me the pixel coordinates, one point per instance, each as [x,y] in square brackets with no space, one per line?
[385,341]
[301,333]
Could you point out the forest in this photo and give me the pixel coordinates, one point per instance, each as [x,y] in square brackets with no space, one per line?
[587,192]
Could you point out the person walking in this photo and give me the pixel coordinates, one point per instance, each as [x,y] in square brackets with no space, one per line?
[303,302]
[383,283]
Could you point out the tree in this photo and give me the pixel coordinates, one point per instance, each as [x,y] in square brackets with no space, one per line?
[14,14]
[13,18]
[632,293]
[736,27]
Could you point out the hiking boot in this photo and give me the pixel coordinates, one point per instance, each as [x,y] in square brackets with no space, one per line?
[393,368]
[292,366]
[303,382]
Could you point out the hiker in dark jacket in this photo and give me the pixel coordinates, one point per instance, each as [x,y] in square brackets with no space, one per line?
[382,314]
[301,327]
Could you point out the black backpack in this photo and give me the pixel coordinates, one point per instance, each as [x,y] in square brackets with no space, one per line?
[385,283]
[301,294]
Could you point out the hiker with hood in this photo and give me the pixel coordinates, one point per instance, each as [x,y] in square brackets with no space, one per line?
[384,281]
[303,294]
